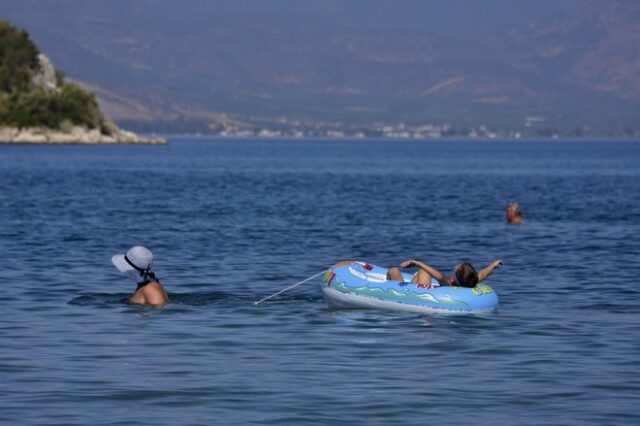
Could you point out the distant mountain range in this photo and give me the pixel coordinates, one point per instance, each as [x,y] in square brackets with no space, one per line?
[154,68]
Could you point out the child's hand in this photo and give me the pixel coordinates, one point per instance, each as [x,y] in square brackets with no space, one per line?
[407,263]
[497,263]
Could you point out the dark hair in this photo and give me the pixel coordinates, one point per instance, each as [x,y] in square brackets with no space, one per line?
[466,275]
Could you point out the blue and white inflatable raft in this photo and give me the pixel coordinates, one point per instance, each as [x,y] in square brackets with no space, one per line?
[360,285]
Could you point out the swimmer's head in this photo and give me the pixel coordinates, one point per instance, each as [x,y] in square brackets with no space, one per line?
[514,207]
[513,213]
[135,264]
[465,275]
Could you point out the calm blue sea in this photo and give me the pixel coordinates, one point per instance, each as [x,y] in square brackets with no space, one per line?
[232,221]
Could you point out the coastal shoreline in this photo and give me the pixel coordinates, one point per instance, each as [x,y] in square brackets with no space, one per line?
[76,135]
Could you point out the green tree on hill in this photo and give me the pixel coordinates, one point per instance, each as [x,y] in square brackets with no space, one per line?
[23,104]
[18,58]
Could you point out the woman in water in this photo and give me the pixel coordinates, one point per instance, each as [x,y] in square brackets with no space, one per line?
[136,265]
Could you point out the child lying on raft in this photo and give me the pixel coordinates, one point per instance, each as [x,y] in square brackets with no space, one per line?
[463,275]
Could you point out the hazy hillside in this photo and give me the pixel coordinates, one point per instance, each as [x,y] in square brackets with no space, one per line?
[595,46]
[157,66]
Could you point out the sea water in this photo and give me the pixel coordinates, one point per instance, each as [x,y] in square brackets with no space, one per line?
[232,221]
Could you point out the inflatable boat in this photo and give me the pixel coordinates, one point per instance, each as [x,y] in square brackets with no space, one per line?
[361,285]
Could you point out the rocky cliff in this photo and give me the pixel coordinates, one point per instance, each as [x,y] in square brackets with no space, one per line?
[37,105]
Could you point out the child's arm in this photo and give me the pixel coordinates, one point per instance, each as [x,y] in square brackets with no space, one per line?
[486,271]
[428,269]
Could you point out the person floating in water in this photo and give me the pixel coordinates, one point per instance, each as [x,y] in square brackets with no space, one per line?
[136,265]
[463,275]
[514,214]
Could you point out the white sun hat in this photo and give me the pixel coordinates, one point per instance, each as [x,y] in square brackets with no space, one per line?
[135,264]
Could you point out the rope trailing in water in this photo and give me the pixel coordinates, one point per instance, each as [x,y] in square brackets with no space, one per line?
[290,287]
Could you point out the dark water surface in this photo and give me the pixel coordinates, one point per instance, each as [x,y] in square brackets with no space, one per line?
[233,221]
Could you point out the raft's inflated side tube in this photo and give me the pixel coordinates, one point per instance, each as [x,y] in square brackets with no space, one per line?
[360,285]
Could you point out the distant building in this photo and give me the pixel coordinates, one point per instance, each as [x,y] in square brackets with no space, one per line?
[533,120]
